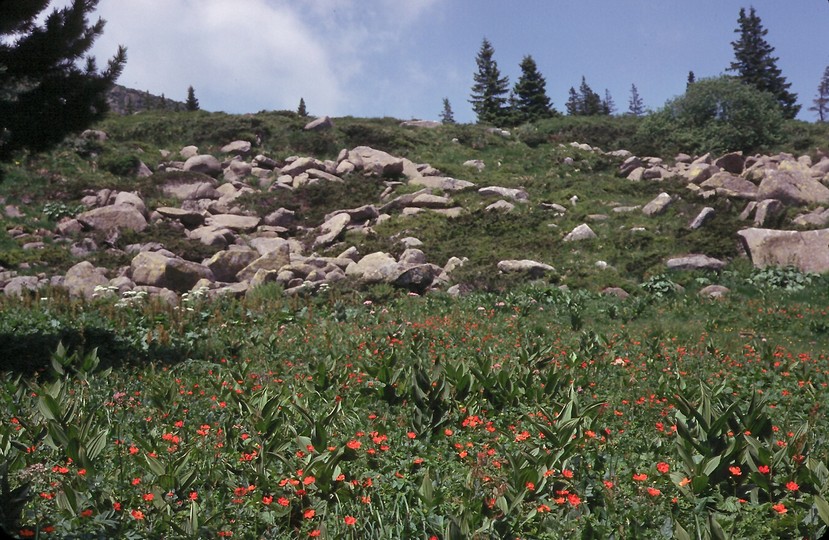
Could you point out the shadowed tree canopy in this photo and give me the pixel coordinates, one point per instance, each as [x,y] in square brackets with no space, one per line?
[44,93]
[755,65]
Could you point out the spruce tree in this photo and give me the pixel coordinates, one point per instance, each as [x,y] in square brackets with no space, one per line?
[192,104]
[608,105]
[573,105]
[691,79]
[531,100]
[490,89]
[446,115]
[821,101]
[591,103]
[301,110]
[755,65]
[44,93]
[635,105]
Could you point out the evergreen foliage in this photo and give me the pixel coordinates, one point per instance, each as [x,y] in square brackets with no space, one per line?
[608,105]
[715,115]
[635,106]
[821,101]
[301,110]
[691,79]
[446,115]
[530,93]
[489,92]
[192,104]
[44,93]
[584,102]
[755,65]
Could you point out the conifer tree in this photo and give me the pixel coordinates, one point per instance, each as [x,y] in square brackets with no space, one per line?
[691,79]
[608,105]
[821,101]
[301,110]
[573,105]
[44,93]
[591,103]
[755,65]
[490,89]
[635,105]
[446,115]
[531,100]
[192,104]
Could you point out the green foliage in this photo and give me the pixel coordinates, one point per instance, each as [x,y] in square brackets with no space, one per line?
[489,92]
[755,65]
[119,163]
[191,104]
[659,286]
[44,95]
[788,279]
[531,100]
[714,115]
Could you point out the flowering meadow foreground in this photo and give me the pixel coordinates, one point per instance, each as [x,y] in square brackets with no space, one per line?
[533,414]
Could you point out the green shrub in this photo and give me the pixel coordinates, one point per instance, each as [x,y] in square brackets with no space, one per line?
[715,115]
[119,163]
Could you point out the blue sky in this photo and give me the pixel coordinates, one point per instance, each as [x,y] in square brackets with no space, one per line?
[400,58]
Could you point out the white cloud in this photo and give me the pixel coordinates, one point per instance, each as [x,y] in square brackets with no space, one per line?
[249,55]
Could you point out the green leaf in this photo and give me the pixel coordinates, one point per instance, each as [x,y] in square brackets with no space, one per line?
[155,465]
[822,508]
[680,533]
[49,408]
[502,505]
[711,466]
[96,444]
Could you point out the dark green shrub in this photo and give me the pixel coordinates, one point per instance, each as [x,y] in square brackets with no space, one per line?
[715,115]
[119,163]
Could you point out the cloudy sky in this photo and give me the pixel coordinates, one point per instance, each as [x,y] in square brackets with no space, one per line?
[400,58]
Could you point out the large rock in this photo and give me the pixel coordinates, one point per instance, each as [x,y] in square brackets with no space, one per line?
[415,278]
[695,262]
[159,270]
[273,260]
[81,279]
[705,215]
[501,192]
[319,124]
[226,264]
[239,148]
[114,217]
[18,284]
[768,212]
[700,172]
[210,235]
[533,268]
[374,268]
[728,185]
[189,186]
[205,164]
[582,232]
[793,187]
[131,199]
[806,250]
[234,222]
[733,162]
[658,205]
[426,200]
[332,229]
[376,162]
[281,217]
[188,218]
[444,183]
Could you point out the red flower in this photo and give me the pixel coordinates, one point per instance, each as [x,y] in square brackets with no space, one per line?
[567,473]
[148,497]
[653,492]
[735,470]
[282,501]
[350,520]
[640,477]
[764,469]
[193,495]
[310,513]
[354,445]
[780,508]
[314,533]
[663,467]
[137,514]
[792,486]
[267,499]
[87,513]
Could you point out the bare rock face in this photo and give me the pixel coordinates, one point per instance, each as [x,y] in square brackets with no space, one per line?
[732,163]
[205,164]
[658,205]
[532,268]
[234,222]
[444,183]
[159,270]
[728,185]
[82,279]
[806,250]
[273,260]
[114,217]
[226,264]
[374,268]
[332,229]
[376,162]
[793,188]
[190,186]
[188,218]
[505,193]
[319,124]
[582,232]
[239,148]
[695,262]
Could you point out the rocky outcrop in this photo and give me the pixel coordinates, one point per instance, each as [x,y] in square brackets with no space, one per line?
[160,270]
[114,217]
[793,188]
[806,250]
[532,268]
